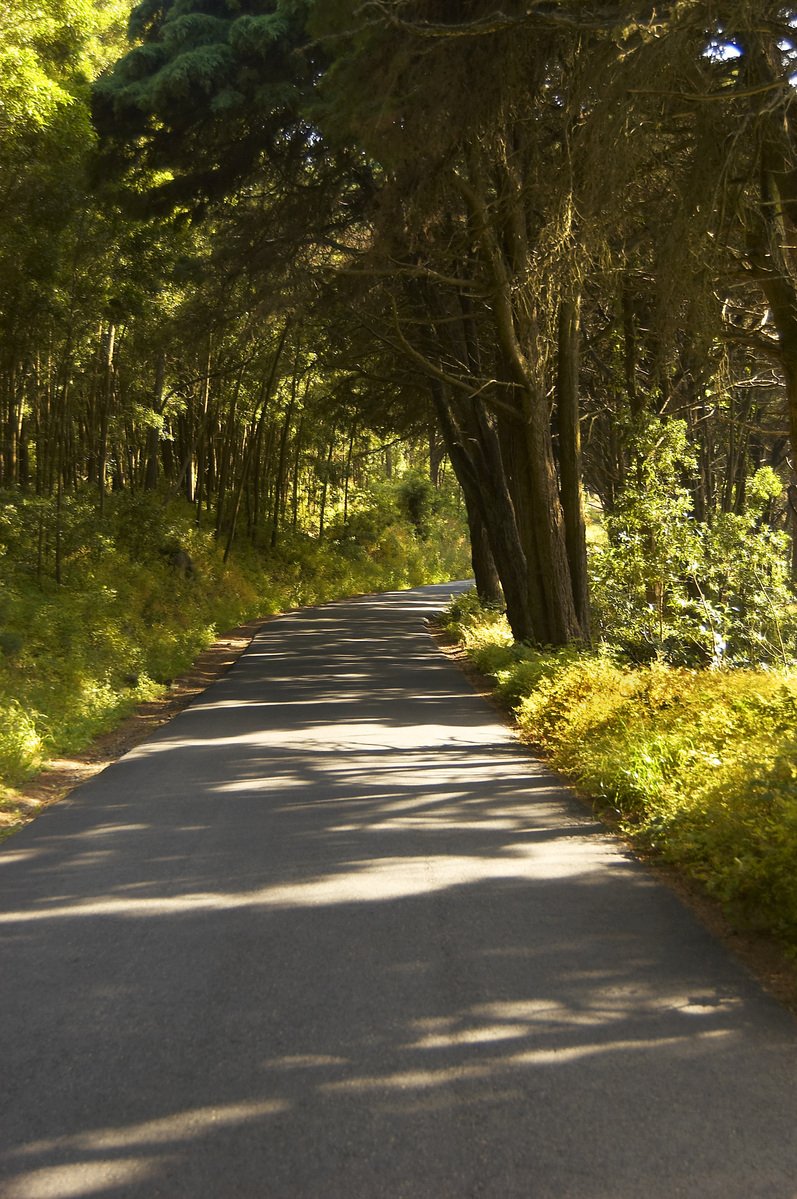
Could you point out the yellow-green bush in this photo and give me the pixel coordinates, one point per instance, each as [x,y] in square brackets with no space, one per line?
[700,766]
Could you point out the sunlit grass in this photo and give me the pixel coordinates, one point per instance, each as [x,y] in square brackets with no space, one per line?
[78,656]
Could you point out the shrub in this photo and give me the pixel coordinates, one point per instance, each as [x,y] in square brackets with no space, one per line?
[699,766]
[665,585]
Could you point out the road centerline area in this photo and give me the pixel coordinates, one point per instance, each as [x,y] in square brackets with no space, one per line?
[332,932]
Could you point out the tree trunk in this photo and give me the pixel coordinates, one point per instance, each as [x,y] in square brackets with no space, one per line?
[476,460]
[488,584]
[153,434]
[265,395]
[282,462]
[295,484]
[107,391]
[325,485]
[570,481]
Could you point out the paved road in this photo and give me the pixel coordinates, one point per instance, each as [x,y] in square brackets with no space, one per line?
[331,934]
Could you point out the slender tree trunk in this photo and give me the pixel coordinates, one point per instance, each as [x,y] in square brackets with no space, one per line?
[265,396]
[203,434]
[296,458]
[152,452]
[792,508]
[325,484]
[105,408]
[570,473]
[227,454]
[282,461]
[436,455]
[347,478]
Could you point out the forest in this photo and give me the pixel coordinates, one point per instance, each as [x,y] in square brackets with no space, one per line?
[300,298]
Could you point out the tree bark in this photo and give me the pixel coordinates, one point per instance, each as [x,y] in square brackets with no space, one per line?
[151,452]
[107,390]
[570,471]
[265,395]
[476,460]
[488,584]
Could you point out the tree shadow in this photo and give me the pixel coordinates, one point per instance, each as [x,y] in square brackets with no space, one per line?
[354,942]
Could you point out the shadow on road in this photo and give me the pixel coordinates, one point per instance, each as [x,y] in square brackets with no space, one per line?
[332,933]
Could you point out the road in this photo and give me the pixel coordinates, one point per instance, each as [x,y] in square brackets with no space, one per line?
[333,934]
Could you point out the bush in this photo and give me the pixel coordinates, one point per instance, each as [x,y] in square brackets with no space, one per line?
[695,594]
[698,766]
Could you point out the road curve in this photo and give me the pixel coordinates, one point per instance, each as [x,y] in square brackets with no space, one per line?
[332,934]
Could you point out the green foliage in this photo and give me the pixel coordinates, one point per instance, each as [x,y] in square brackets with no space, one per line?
[129,616]
[699,766]
[225,82]
[419,501]
[692,593]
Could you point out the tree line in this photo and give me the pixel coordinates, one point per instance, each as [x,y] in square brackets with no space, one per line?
[554,240]
[139,353]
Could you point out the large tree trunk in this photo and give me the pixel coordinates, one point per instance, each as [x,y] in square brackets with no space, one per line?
[485,575]
[772,243]
[475,455]
[504,244]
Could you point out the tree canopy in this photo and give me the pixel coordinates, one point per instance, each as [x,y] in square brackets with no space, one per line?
[545,243]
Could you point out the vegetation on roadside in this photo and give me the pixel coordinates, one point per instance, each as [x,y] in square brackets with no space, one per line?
[276,276]
[698,766]
[143,590]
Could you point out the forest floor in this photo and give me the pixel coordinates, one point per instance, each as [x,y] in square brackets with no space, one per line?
[762,955]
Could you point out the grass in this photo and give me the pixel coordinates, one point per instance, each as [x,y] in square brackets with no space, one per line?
[77,657]
[699,767]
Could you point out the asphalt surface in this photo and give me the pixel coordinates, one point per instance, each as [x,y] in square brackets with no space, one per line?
[332,934]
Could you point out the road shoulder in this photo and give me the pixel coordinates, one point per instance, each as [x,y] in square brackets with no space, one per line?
[761,955]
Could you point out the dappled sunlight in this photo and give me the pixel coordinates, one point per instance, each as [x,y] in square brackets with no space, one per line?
[387,879]
[436,1038]
[304,1061]
[362,945]
[76,1179]
[487,1067]
[173,1129]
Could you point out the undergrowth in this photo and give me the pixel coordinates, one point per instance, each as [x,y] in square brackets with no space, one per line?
[143,591]
[698,766]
